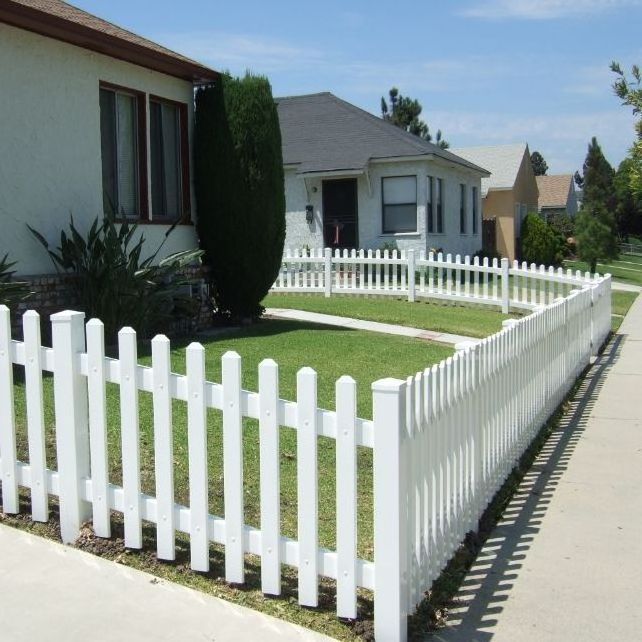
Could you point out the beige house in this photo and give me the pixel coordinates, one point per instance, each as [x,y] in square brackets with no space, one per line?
[556,195]
[508,194]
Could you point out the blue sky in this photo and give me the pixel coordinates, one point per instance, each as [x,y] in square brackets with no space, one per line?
[486,71]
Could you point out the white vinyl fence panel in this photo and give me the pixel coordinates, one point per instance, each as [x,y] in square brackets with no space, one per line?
[443,441]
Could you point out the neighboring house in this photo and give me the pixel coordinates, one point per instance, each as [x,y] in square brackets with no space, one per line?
[509,193]
[556,195]
[353,180]
[92,118]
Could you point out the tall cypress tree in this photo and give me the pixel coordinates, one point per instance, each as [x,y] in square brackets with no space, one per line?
[240,190]
[596,227]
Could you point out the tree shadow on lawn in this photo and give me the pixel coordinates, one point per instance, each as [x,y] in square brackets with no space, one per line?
[478,602]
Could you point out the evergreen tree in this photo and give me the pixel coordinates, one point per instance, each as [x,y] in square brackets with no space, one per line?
[629,205]
[596,232]
[239,190]
[404,112]
[540,167]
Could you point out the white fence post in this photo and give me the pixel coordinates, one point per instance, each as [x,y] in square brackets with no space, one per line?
[505,286]
[390,511]
[9,467]
[72,427]
[411,276]
[327,279]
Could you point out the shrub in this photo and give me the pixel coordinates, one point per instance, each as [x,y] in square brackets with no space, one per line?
[541,244]
[117,286]
[11,292]
[239,191]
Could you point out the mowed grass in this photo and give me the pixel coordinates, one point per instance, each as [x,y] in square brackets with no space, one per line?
[620,304]
[628,268]
[439,317]
[331,352]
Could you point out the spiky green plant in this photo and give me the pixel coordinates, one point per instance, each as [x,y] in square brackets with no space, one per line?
[115,284]
[12,292]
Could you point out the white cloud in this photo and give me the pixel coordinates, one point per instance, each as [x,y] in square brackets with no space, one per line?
[543,9]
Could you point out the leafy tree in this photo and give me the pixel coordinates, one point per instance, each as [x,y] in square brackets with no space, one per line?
[404,112]
[628,212]
[239,191]
[630,91]
[540,167]
[541,244]
[596,232]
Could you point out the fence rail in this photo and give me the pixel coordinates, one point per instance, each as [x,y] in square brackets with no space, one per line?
[415,275]
[443,440]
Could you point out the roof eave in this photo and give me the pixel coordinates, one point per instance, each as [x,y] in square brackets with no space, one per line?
[45,24]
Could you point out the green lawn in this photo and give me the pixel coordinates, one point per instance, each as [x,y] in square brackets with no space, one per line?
[457,319]
[627,269]
[620,304]
[331,352]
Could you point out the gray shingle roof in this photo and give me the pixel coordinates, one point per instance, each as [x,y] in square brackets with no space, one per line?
[322,133]
[503,162]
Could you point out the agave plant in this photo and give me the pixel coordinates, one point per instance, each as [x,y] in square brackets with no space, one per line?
[115,284]
[11,292]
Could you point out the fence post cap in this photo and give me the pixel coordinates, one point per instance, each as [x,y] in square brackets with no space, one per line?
[65,316]
[3,308]
[465,345]
[509,323]
[346,379]
[159,338]
[30,313]
[95,322]
[390,384]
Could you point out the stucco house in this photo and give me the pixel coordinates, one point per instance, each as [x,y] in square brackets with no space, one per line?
[353,180]
[92,118]
[509,193]
[556,195]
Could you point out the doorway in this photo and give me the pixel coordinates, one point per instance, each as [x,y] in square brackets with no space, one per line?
[340,213]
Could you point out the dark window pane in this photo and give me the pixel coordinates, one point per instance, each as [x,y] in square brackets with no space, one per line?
[400,218]
[166,161]
[108,150]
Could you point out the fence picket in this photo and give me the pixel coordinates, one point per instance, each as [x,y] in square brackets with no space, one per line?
[8,455]
[307,486]
[35,417]
[197,455]
[233,467]
[163,449]
[130,438]
[98,427]
[346,472]
[270,477]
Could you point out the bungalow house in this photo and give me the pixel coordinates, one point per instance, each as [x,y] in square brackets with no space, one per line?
[508,194]
[92,118]
[556,195]
[353,180]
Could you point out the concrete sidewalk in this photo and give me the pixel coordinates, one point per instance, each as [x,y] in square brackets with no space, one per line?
[369,326]
[565,563]
[55,593]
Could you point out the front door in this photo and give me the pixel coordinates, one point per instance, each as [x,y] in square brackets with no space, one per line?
[340,213]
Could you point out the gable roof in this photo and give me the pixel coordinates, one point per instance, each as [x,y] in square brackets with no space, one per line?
[554,190]
[62,21]
[322,133]
[503,161]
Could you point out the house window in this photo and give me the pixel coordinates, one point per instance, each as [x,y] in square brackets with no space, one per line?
[120,129]
[439,203]
[399,197]
[462,208]
[167,133]
[475,206]
[429,205]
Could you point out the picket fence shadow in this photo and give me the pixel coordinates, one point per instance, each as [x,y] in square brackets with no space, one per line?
[443,442]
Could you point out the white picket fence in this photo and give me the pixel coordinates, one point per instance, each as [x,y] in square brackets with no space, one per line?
[443,442]
[415,275]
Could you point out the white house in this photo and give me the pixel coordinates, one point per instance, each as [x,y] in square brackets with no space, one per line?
[92,118]
[353,180]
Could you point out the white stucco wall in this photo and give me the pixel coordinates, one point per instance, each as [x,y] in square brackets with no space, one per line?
[50,160]
[299,233]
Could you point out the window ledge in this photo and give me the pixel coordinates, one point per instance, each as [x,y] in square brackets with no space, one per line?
[401,234]
[138,221]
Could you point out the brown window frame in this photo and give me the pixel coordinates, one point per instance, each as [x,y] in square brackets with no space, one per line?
[183,122]
[141,113]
